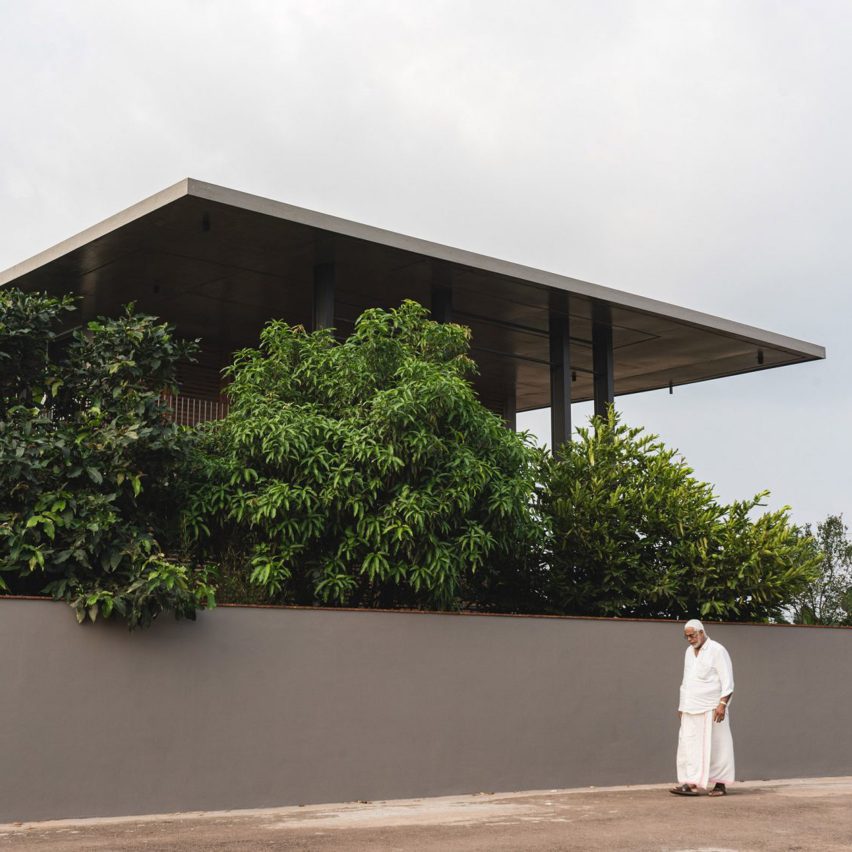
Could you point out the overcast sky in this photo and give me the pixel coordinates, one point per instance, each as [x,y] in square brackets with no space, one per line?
[696,152]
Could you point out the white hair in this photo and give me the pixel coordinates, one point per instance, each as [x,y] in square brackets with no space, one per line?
[695,624]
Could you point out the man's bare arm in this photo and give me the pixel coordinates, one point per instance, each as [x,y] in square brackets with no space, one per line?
[719,712]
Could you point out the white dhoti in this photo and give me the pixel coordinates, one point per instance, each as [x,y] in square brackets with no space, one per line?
[705,750]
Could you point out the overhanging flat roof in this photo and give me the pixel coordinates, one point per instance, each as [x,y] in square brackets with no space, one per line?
[217,263]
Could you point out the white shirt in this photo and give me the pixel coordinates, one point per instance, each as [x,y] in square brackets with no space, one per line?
[707,676]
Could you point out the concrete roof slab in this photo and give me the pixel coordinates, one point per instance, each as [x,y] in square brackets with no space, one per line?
[217,263]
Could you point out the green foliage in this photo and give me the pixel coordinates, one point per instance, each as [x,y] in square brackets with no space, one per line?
[88,462]
[363,473]
[635,534]
[28,327]
[828,599]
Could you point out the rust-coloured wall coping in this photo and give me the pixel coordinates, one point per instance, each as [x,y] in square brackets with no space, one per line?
[469,613]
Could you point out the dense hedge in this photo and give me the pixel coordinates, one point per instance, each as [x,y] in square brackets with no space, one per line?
[364,473]
[89,489]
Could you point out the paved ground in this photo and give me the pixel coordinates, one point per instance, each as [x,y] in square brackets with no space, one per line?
[814,814]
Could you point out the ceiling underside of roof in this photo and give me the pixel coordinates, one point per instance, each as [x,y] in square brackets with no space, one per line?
[218,271]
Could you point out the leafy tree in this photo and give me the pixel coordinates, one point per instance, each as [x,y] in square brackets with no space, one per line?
[29,323]
[828,599]
[363,472]
[88,461]
[635,534]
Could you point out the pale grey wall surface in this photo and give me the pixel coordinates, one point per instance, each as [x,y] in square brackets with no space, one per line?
[264,707]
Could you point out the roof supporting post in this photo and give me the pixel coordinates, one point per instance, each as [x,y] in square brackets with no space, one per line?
[442,292]
[602,358]
[442,304]
[510,404]
[324,275]
[560,373]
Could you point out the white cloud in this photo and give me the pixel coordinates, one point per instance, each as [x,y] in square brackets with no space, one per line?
[695,152]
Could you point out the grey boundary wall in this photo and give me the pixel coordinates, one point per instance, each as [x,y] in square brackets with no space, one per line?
[256,707]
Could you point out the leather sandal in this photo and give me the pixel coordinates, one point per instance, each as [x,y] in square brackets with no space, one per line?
[718,790]
[683,790]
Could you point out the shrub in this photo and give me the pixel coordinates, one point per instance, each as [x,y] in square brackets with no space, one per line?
[363,472]
[635,534]
[89,460]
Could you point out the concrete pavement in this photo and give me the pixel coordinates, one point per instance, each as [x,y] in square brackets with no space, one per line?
[805,814]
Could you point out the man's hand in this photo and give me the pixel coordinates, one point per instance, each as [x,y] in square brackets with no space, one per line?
[719,713]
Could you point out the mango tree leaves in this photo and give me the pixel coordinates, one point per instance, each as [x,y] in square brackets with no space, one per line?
[635,534]
[364,472]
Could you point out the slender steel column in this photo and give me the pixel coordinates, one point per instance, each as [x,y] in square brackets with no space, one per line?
[510,405]
[442,292]
[560,377]
[602,358]
[442,304]
[324,295]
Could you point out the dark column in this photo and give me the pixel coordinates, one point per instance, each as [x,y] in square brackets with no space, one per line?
[442,292]
[442,304]
[510,405]
[323,296]
[560,377]
[602,359]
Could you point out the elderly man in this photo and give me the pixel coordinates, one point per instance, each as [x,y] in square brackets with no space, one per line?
[705,750]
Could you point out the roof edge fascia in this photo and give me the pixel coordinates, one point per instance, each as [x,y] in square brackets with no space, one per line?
[323,221]
[462,257]
[94,232]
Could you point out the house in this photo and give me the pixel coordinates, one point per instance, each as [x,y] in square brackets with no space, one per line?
[218,263]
